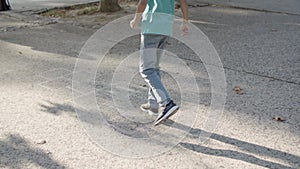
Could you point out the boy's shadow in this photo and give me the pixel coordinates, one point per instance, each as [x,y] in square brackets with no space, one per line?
[291,159]
[284,157]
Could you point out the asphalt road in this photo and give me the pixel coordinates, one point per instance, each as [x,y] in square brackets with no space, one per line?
[287,6]
[39,127]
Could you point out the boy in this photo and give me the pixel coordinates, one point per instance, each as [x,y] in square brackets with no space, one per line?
[157,22]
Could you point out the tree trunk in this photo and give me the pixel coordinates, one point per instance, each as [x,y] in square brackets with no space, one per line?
[109,6]
[4,5]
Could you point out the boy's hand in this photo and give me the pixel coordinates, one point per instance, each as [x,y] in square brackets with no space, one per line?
[185,24]
[185,28]
[142,4]
[134,23]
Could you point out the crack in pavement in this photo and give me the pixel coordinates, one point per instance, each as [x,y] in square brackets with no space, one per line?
[246,72]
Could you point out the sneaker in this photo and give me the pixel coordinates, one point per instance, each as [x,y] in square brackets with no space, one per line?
[150,110]
[170,109]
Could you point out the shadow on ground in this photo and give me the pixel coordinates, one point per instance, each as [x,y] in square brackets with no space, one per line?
[16,152]
[291,159]
[247,149]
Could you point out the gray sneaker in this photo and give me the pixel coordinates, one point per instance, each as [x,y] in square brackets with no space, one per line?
[150,110]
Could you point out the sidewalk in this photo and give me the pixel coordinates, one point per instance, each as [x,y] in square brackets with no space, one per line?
[287,6]
[39,127]
[42,4]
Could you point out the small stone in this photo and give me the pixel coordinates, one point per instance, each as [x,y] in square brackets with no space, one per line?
[277,118]
[274,30]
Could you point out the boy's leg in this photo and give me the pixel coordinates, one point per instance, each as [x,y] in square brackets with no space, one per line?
[163,41]
[149,67]
[151,99]
[160,50]
[151,106]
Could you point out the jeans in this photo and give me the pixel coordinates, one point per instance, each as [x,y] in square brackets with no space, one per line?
[151,52]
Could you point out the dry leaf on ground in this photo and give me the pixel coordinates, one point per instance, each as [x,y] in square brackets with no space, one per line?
[238,90]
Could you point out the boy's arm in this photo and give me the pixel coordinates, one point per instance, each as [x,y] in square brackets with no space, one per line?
[184,9]
[142,4]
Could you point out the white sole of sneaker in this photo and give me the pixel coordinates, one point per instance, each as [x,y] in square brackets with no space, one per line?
[170,113]
[151,113]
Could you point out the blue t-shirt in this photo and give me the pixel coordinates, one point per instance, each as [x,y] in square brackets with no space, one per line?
[158,17]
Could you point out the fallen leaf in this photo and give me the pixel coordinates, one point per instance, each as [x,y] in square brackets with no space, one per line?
[238,90]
